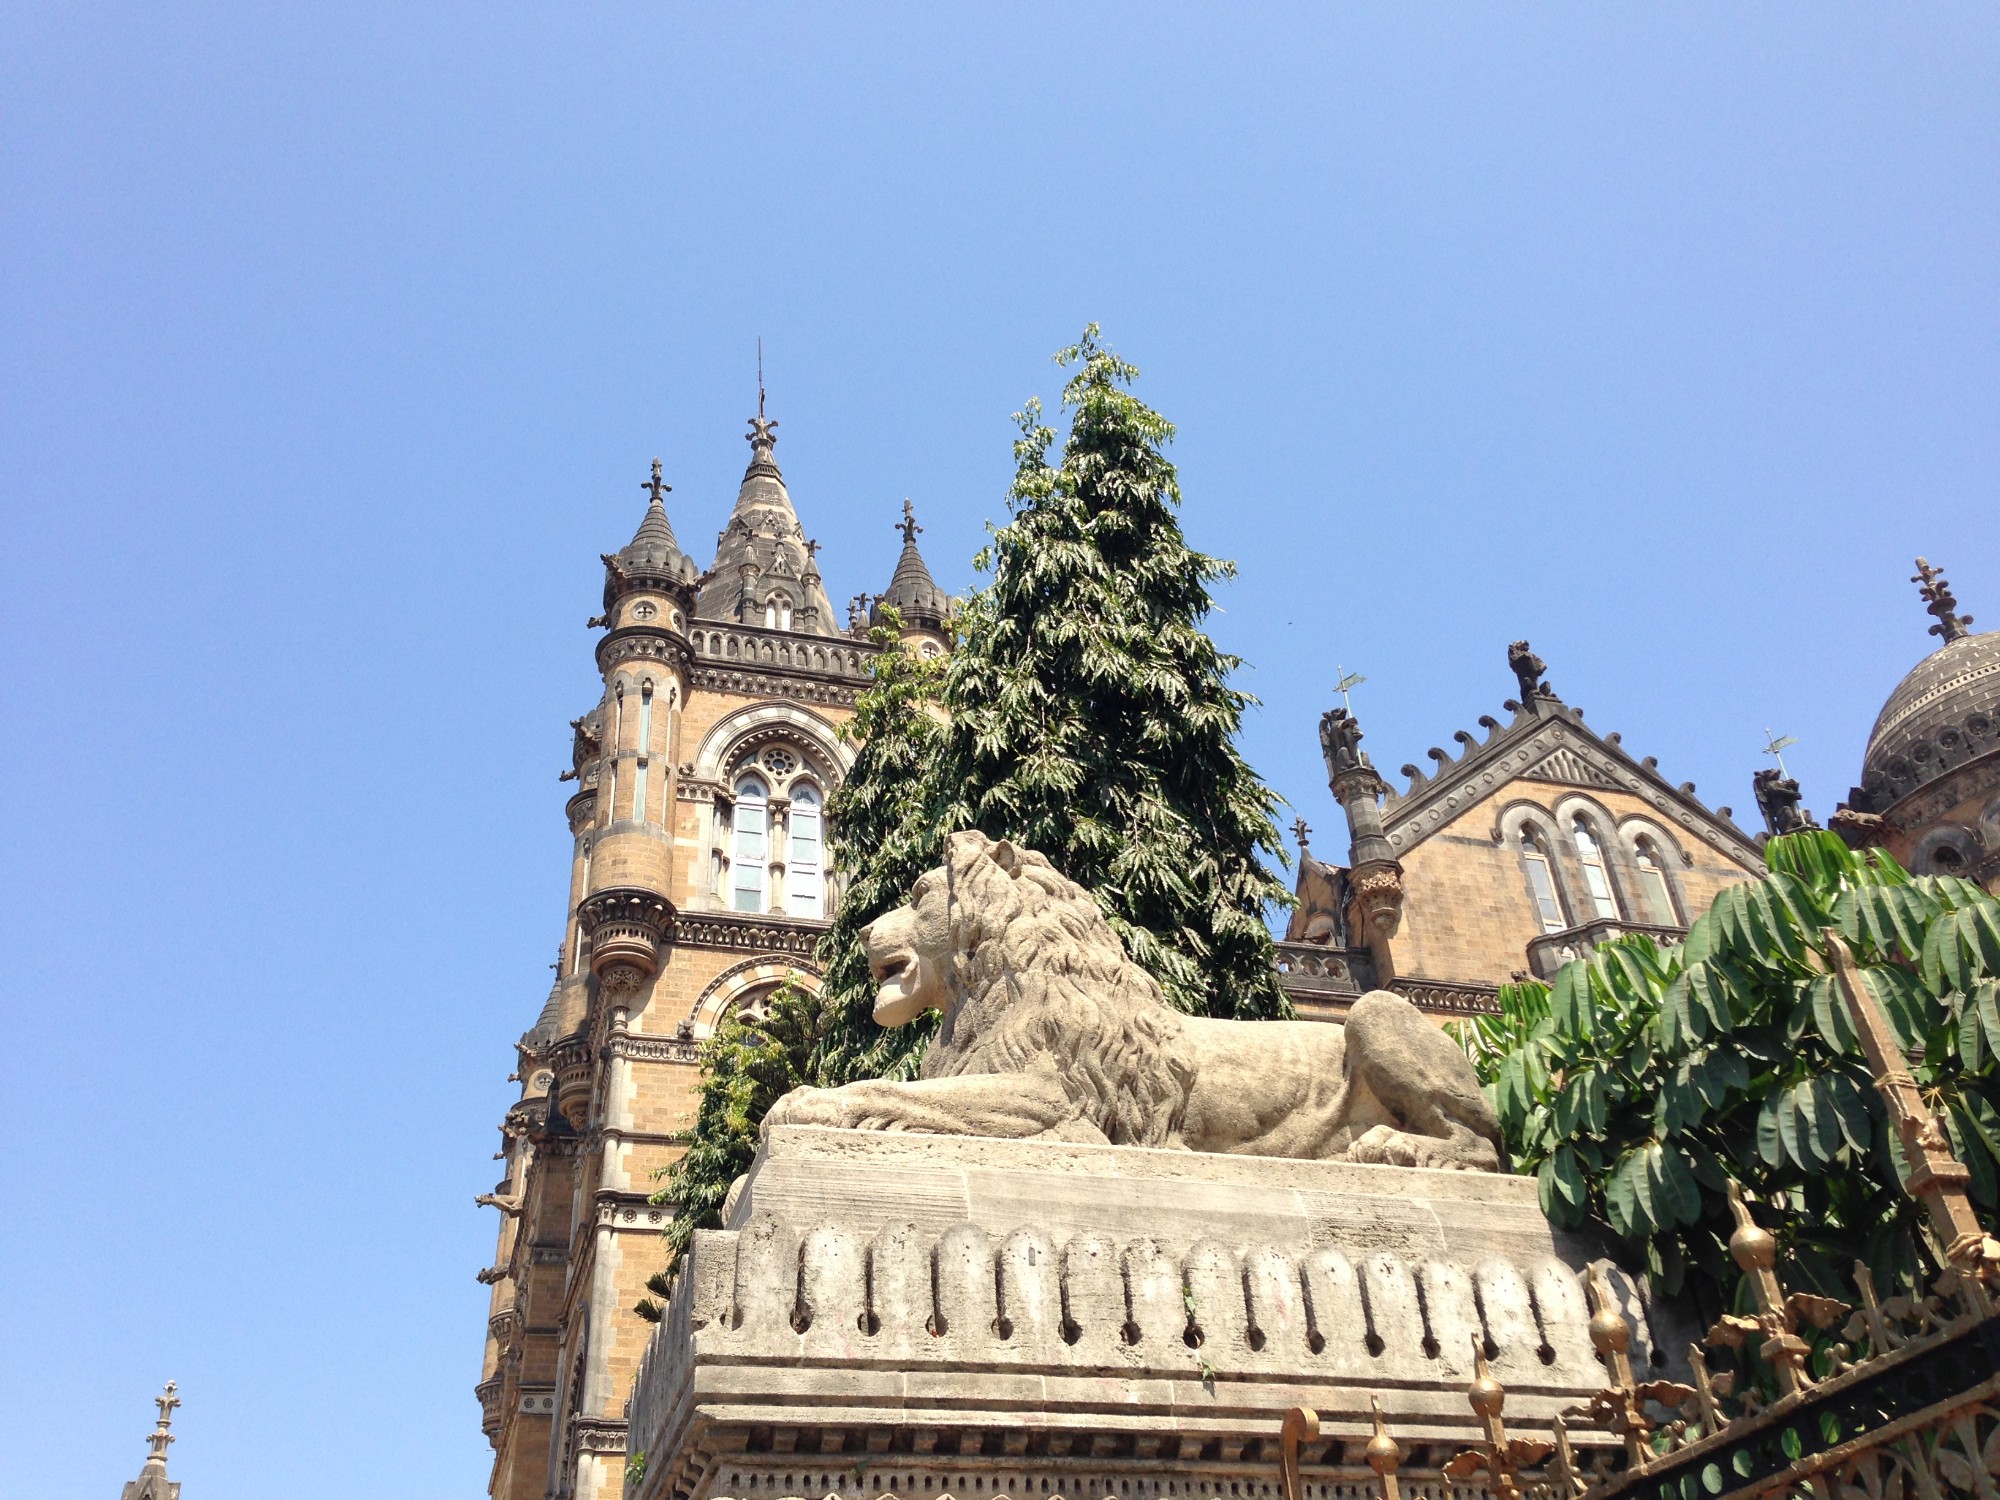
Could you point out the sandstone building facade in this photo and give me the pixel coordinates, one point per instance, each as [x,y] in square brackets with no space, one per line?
[698,883]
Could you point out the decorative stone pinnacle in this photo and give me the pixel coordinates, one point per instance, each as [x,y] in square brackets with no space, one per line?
[1940,601]
[657,487]
[908,525]
[160,1436]
[760,436]
[1300,830]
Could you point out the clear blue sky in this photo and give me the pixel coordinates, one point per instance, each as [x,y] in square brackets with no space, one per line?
[337,340]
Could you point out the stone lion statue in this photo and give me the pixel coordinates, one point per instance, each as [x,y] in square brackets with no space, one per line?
[1051,1030]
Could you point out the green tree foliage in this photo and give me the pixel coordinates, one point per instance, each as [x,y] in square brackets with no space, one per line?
[746,1067]
[885,827]
[1091,715]
[1645,1078]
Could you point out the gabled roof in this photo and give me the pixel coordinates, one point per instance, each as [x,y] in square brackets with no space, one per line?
[1547,740]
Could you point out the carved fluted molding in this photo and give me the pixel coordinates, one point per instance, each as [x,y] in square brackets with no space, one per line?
[627,927]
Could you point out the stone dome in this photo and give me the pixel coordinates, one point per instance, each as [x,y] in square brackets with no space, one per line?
[1943,714]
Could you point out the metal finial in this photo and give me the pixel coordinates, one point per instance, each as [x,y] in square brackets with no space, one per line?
[1348,680]
[657,487]
[1940,601]
[761,427]
[1384,1453]
[908,525]
[1775,746]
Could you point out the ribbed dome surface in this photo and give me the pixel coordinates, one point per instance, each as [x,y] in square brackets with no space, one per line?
[1940,716]
[913,593]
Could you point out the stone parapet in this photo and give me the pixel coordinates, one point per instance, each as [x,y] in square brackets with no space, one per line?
[886,1310]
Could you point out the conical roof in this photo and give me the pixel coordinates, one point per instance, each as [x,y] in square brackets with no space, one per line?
[763,558]
[653,556]
[912,592]
[654,549]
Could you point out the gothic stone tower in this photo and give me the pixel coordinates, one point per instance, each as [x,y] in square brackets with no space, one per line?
[697,885]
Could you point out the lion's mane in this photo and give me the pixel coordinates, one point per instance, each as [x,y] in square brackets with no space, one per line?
[1040,982]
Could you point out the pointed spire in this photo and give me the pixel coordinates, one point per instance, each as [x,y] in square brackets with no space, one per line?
[1940,601]
[653,553]
[764,536]
[655,535]
[152,1483]
[912,592]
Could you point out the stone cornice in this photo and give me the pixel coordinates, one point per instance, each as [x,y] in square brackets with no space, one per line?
[1936,798]
[1557,743]
[600,1435]
[747,932]
[751,682]
[631,1212]
[637,1048]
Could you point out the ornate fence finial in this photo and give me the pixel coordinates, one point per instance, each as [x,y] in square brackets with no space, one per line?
[1301,1425]
[1384,1453]
[1500,1456]
[1755,1252]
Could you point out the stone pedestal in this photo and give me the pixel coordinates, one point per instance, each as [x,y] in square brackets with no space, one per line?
[914,1315]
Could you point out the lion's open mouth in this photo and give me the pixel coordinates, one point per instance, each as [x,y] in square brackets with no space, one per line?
[892,969]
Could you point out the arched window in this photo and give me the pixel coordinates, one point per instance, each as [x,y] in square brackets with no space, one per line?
[1542,881]
[1653,884]
[752,836]
[803,889]
[1595,880]
[777,613]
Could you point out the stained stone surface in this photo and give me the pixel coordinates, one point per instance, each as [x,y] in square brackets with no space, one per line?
[910,1314]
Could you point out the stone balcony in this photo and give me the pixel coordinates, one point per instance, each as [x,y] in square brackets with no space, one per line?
[1324,982]
[1552,950]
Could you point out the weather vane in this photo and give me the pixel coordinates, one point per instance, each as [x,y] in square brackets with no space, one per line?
[1348,681]
[1775,746]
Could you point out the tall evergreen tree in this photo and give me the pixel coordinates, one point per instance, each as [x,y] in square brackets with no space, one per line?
[1092,716]
[1084,713]
[885,827]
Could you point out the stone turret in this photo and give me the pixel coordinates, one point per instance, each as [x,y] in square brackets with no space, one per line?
[1932,765]
[920,604]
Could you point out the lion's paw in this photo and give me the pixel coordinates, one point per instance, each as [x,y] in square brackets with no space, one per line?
[1384,1145]
[807,1106]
